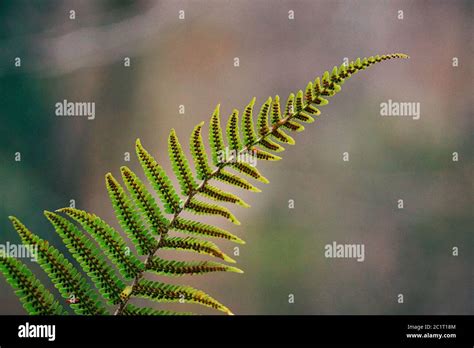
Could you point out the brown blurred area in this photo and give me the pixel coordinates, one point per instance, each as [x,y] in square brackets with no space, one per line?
[190,62]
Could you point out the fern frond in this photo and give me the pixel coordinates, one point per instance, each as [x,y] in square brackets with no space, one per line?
[134,310]
[161,292]
[249,170]
[283,137]
[180,165]
[293,126]
[144,200]
[179,268]
[194,245]
[235,180]
[270,145]
[264,155]
[233,135]
[290,105]
[158,179]
[103,276]
[128,218]
[36,299]
[216,141]
[201,163]
[203,208]
[109,240]
[248,130]
[217,194]
[276,111]
[140,216]
[62,273]
[262,119]
[308,94]
[298,105]
[202,229]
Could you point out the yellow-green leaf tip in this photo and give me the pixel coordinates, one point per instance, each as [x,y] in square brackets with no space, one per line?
[228,259]
[235,269]
[240,241]
[243,204]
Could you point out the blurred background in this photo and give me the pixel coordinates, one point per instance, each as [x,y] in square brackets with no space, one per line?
[190,62]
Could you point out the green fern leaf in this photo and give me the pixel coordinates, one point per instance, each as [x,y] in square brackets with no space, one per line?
[249,170]
[161,292]
[140,217]
[36,299]
[235,180]
[264,155]
[219,195]
[293,126]
[194,245]
[179,268]
[248,130]
[290,105]
[61,272]
[270,145]
[283,137]
[335,77]
[88,257]
[298,105]
[159,180]
[198,152]
[128,218]
[109,240]
[203,208]
[199,228]
[144,200]
[262,119]
[215,137]
[308,94]
[233,135]
[276,111]
[180,165]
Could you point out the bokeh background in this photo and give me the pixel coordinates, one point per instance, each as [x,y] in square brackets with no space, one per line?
[190,62]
